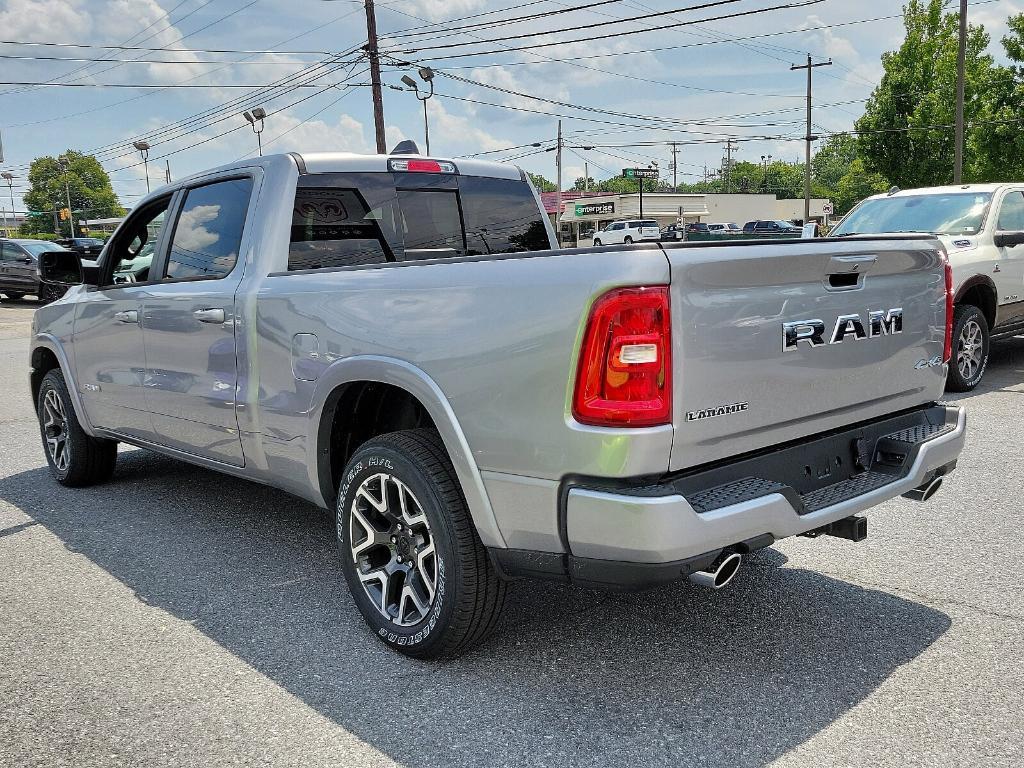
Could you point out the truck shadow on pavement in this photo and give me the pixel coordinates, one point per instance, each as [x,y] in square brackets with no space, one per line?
[676,676]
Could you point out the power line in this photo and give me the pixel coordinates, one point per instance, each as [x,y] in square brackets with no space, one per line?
[721,17]
[247,51]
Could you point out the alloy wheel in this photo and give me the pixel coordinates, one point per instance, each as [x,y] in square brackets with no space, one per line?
[56,430]
[969,350]
[393,549]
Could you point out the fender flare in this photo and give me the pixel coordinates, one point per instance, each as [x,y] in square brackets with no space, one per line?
[399,373]
[52,343]
[973,282]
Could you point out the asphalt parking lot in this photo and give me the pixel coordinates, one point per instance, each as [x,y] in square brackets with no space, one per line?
[180,617]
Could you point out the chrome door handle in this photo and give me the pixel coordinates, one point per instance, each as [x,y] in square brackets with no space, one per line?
[127,316]
[211,315]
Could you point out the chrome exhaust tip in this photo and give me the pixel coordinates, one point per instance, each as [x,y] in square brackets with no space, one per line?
[719,573]
[926,491]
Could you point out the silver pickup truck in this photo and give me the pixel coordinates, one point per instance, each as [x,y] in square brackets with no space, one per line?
[394,338]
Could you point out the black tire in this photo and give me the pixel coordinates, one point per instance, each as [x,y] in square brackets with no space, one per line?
[597,241]
[628,240]
[970,349]
[464,606]
[83,460]
[13,295]
[49,293]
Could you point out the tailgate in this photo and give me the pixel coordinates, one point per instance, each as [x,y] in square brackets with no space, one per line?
[774,342]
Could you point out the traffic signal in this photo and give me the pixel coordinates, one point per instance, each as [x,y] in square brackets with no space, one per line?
[65,214]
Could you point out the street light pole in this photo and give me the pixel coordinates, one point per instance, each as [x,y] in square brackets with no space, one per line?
[67,190]
[9,178]
[143,148]
[427,74]
[961,59]
[254,117]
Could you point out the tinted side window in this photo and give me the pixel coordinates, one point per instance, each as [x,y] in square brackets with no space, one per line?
[1011,214]
[7,252]
[208,233]
[430,223]
[501,216]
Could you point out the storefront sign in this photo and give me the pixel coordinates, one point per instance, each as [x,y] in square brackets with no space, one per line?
[640,173]
[594,209]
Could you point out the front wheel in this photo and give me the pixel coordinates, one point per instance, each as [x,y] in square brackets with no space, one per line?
[597,241]
[413,560]
[970,349]
[50,293]
[75,459]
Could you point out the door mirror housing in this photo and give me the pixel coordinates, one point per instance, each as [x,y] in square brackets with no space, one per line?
[1008,239]
[61,268]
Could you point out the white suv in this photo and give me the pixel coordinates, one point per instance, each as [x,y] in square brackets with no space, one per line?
[982,229]
[628,232]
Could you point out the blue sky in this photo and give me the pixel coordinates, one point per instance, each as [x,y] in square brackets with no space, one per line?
[703,75]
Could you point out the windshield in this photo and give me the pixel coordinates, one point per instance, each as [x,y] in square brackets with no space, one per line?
[88,241]
[41,247]
[952,213]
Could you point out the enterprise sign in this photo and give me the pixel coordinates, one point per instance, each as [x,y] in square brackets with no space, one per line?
[640,173]
[594,209]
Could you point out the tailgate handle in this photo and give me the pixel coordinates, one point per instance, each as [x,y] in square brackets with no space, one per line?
[845,264]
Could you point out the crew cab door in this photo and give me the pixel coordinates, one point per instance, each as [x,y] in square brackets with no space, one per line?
[1009,279]
[17,269]
[189,321]
[110,359]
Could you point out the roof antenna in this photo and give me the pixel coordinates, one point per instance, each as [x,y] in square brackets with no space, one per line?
[407,147]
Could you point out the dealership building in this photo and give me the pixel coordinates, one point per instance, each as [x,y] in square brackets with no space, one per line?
[584,213]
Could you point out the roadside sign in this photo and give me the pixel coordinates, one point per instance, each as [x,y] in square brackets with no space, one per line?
[594,209]
[827,208]
[640,173]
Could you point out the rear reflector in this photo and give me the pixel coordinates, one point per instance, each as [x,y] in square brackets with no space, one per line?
[625,366]
[947,349]
[421,166]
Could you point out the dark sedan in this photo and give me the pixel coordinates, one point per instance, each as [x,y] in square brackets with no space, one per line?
[773,226]
[19,264]
[86,247]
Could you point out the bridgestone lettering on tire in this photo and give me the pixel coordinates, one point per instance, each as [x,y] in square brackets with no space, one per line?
[970,349]
[411,556]
[75,459]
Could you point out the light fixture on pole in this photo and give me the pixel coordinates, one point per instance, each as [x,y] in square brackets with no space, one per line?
[766,160]
[64,166]
[256,118]
[9,178]
[143,148]
[427,75]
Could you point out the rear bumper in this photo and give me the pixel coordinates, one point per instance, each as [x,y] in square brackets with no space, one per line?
[635,536]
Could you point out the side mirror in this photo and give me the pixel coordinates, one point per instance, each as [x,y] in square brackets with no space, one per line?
[1008,239]
[60,268]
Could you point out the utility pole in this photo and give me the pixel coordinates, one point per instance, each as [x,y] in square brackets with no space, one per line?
[809,137]
[728,163]
[961,59]
[675,168]
[558,184]
[67,190]
[586,176]
[167,172]
[372,54]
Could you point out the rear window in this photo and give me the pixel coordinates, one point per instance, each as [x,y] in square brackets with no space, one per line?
[648,223]
[348,219]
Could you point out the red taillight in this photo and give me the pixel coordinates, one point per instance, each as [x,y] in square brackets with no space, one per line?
[947,349]
[624,376]
[421,166]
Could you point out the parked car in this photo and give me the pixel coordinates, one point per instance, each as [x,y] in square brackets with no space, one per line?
[697,227]
[628,232]
[773,226]
[86,247]
[982,229]
[672,232]
[365,333]
[18,269]
[727,228]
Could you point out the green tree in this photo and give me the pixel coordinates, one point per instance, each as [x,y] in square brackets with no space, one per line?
[582,184]
[906,132]
[542,184]
[84,179]
[995,144]
[854,185]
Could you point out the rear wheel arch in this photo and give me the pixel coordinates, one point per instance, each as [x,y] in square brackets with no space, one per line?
[410,399]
